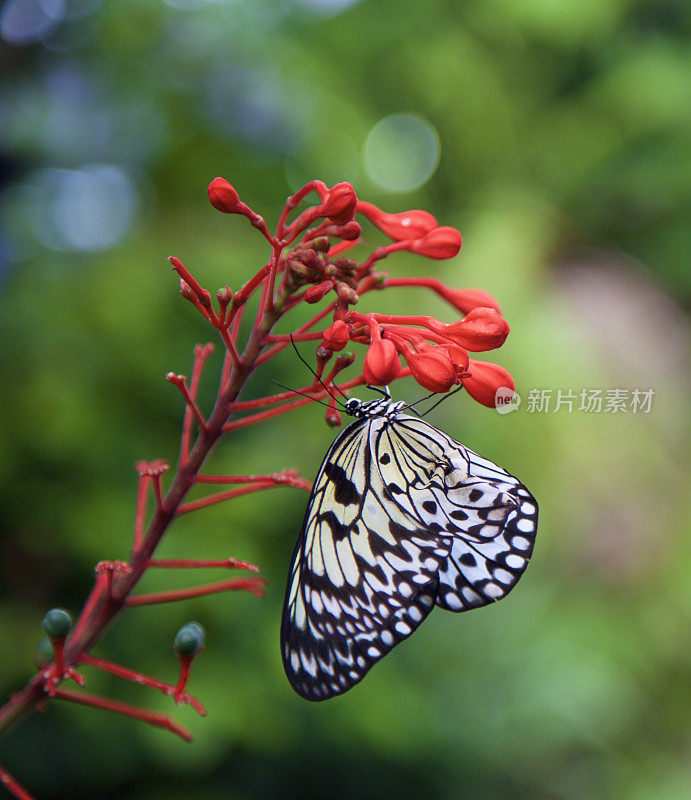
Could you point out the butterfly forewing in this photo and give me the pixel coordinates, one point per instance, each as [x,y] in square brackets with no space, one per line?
[400,517]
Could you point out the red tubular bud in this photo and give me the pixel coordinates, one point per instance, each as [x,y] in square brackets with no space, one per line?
[406,225]
[382,363]
[336,336]
[349,232]
[444,242]
[223,197]
[482,329]
[484,380]
[466,300]
[346,294]
[332,415]
[432,367]
[339,206]
[315,293]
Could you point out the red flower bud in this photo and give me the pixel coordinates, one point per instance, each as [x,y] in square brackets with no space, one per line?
[403,226]
[484,380]
[432,367]
[336,336]
[349,232]
[332,415]
[339,205]
[466,300]
[482,329]
[444,242]
[459,357]
[382,363]
[224,197]
[346,294]
[315,293]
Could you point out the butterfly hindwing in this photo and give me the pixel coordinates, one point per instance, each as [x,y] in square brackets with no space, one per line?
[491,515]
[401,517]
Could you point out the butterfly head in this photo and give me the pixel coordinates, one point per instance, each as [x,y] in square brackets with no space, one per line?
[373,408]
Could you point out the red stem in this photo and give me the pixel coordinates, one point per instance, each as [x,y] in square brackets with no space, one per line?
[202,563]
[285,478]
[274,412]
[201,353]
[145,680]
[179,381]
[253,585]
[140,508]
[150,717]
[13,787]
[211,500]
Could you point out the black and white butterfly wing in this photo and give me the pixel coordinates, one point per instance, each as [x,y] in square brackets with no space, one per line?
[401,517]
[491,516]
[364,571]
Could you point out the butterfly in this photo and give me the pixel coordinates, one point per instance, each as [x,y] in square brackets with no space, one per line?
[401,518]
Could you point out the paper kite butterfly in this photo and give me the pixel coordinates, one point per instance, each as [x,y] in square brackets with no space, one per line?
[401,518]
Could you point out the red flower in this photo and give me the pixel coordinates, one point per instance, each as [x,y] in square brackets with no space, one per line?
[431,367]
[336,336]
[224,197]
[382,363]
[444,242]
[482,329]
[315,293]
[484,380]
[405,225]
[339,206]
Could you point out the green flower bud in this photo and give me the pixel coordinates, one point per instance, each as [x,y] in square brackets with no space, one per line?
[189,639]
[57,623]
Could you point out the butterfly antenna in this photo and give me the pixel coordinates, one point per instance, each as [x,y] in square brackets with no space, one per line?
[304,394]
[421,400]
[431,408]
[292,341]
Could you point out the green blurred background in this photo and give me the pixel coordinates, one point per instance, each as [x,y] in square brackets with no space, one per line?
[554,136]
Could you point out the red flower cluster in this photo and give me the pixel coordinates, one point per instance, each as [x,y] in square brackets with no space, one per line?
[436,353]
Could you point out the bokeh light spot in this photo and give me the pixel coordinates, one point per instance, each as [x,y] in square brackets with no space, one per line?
[401,152]
[24,22]
[85,209]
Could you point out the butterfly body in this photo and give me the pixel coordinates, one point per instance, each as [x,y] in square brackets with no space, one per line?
[401,518]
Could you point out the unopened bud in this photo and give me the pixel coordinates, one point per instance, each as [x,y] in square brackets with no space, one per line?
[339,206]
[57,623]
[224,295]
[432,368]
[344,360]
[382,364]
[346,294]
[224,197]
[481,329]
[189,640]
[444,242]
[315,293]
[484,380]
[332,415]
[349,232]
[406,225]
[186,292]
[321,244]
[336,336]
